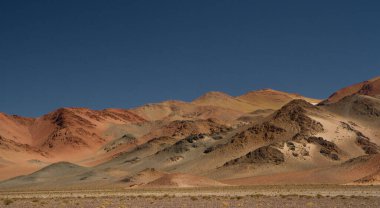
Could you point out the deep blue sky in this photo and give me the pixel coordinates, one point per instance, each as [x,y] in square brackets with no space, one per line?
[102,54]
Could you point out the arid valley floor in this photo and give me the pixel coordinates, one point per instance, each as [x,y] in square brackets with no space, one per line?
[253,196]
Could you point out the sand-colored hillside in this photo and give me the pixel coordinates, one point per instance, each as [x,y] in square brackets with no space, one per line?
[183,180]
[223,100]
[272,99]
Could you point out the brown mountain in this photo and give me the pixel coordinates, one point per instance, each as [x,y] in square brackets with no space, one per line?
[262,137]
[89,137]
[370,87]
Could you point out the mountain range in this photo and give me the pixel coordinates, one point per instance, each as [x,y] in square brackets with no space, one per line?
[261,137]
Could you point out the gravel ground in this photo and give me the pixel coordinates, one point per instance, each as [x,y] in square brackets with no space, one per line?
[198,202]
[259,196]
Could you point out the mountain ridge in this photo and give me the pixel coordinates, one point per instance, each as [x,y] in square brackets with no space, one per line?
[217,138]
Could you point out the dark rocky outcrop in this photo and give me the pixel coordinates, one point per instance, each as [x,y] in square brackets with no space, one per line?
[364,142]
[212,148]
[126,139]
[262,155]
[194,137]
[293,117]
[185,144]
[328,149]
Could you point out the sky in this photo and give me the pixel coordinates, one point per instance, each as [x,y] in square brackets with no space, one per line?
[123,54]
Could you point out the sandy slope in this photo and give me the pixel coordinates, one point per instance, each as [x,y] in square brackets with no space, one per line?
[183,180]
[272,99]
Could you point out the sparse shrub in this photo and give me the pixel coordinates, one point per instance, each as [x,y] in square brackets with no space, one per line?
[206,197]
[194,198]
[257,195]
[7,201]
